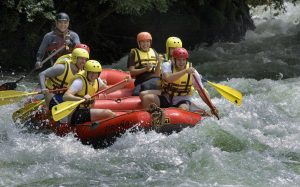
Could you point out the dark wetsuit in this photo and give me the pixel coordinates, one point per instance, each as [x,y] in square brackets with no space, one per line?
[54,40]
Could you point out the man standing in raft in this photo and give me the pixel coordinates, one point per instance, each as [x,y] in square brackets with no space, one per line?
[177,81]
[144,64]
[59,37]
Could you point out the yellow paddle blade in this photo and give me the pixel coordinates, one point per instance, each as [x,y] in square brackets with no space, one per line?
[24,113]
[228,93]
[64,109]
[12,96]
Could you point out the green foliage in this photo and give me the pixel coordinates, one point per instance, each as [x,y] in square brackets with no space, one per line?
[109,27]
[137,7]
[33,8]
[14,11]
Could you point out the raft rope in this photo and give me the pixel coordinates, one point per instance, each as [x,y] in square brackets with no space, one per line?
[157,116]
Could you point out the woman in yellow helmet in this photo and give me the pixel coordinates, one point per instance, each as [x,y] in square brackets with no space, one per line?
[144,64]
[177,82]
[85,85]
[171,43]
[61,74]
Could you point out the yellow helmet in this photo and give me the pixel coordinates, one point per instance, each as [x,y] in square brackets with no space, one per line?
[173,42]
[78,52]
[93,66]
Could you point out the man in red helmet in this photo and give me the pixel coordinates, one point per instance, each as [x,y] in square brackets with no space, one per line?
[54,40]
[144,64]
[177,81]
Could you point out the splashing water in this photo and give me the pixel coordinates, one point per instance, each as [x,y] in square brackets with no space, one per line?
[256,144]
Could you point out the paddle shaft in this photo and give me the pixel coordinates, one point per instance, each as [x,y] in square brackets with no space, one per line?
[12,96]
[43,62]
[205,96]
[102,91]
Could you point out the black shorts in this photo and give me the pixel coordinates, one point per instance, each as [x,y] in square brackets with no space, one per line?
[56,99]
[81,115]
[164,103]
[151,84]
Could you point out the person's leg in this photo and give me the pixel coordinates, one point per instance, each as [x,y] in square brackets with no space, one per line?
[184,105]
[155,92]
[100,114]
[149,99]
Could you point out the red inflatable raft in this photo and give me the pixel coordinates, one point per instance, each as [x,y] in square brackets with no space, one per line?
[103,133]
[130,116]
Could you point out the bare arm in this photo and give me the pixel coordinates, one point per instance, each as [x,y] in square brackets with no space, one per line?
[157,69]
[133,71]
[171,77]
[75,87]
[69,96]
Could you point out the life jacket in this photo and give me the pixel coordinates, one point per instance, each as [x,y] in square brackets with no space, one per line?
[64,58]
[62,81]
[180,87]
[87,88]
[142,58]
[58,40]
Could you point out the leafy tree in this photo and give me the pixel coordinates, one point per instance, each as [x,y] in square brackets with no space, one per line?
[13,12]
[24,22]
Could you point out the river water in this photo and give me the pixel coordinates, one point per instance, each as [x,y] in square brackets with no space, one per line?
[256,144]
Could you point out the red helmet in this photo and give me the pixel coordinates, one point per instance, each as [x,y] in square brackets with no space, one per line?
[82,46]
[142,36]
[180,53]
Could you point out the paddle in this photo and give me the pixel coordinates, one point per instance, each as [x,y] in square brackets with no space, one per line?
[12,96]
[65,108]
[13,85]
[205,96]
[227,92]
[25,112]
